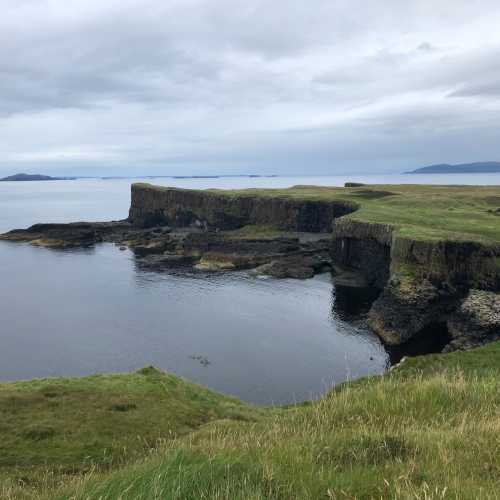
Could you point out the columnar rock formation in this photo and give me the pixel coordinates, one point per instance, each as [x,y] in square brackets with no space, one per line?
[153,205]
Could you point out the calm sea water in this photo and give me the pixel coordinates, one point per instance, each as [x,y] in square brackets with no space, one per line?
[97,310]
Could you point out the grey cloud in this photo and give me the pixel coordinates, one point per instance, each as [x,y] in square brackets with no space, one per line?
[488,89]
[253,85]
[427,47]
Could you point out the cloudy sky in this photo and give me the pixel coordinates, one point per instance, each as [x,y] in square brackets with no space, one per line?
[118,87]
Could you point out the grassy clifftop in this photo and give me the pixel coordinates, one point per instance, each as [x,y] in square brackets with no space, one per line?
[429,429]
[420,212]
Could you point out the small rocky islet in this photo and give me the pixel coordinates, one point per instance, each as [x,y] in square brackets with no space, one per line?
[433,252]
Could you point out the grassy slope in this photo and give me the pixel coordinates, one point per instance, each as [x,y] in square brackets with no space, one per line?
[50,428]
[430,429]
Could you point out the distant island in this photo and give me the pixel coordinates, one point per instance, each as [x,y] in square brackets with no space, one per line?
[485,167]
[39,177]
[34,177]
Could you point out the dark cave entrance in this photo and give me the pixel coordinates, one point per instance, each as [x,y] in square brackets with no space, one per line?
[431,339]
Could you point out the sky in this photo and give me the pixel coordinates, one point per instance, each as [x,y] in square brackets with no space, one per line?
[287,87]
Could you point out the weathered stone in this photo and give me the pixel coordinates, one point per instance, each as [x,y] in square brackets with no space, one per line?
[476,321]
[66,235]
[404,310]
[285,269]
[422,281]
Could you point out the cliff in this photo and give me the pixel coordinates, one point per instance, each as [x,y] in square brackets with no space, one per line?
[424,283]
[153,205]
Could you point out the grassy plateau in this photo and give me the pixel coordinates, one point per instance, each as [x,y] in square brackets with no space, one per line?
[428,429]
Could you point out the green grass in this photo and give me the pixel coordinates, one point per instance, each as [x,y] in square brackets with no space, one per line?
[429,429]
[417,211]
[52,428]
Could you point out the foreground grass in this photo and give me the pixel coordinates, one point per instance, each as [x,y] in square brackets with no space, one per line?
[429,429]
[52,429]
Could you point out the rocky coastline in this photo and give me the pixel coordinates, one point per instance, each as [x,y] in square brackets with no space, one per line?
[426,287]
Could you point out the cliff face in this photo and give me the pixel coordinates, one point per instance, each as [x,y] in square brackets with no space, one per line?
[423,283]
[151,205]
[366,247]
[459,264]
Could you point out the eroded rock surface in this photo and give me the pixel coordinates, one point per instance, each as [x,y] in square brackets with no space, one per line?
[296,255]
[403,311]
[423,282]
[476,321]
[76,234]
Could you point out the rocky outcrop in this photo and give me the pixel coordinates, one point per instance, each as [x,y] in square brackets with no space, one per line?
[402,312]
[305,266]
[76,234]
[422,282]
[295,255]
[476,321]
[152,205]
